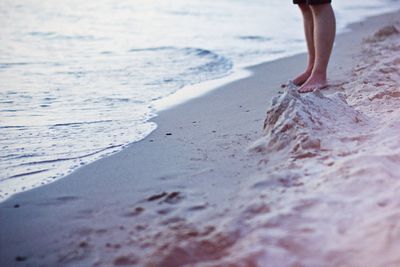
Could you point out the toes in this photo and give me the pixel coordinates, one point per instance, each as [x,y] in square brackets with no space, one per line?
[297,83]
[309,88]
[306,89]
[289,84]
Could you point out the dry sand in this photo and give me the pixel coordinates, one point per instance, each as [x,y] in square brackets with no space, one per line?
[318,186]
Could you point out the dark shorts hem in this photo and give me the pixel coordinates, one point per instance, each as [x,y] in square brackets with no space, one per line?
[312,2]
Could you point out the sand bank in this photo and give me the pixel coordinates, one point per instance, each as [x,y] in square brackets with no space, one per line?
[318,186]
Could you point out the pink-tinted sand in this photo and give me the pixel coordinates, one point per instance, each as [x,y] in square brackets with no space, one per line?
[318,186]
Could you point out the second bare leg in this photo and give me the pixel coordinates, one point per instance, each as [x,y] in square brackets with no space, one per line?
[324,36]
[309,33]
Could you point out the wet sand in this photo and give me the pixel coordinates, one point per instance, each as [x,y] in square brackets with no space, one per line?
[318,186]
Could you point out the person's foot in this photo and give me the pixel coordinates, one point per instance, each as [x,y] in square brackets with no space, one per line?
[314,82]
[299,80]
[302,78]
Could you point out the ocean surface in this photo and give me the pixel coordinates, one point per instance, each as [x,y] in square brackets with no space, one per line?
[78,79]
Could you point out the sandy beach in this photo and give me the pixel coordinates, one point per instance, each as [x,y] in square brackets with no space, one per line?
[250,174]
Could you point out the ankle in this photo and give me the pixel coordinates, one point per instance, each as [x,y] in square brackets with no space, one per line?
[319,74]
[309,70]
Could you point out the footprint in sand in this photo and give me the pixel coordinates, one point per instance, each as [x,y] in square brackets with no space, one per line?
[127,260]
[20,258]
[198,207]
[135,212]
[170,198]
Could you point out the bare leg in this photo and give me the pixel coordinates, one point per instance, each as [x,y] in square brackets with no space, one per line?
[324,36]
[309,33]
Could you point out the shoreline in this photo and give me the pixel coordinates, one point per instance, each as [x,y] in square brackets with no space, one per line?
[188,93]
[164,178]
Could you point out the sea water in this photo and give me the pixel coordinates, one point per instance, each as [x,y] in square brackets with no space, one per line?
[78,79]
